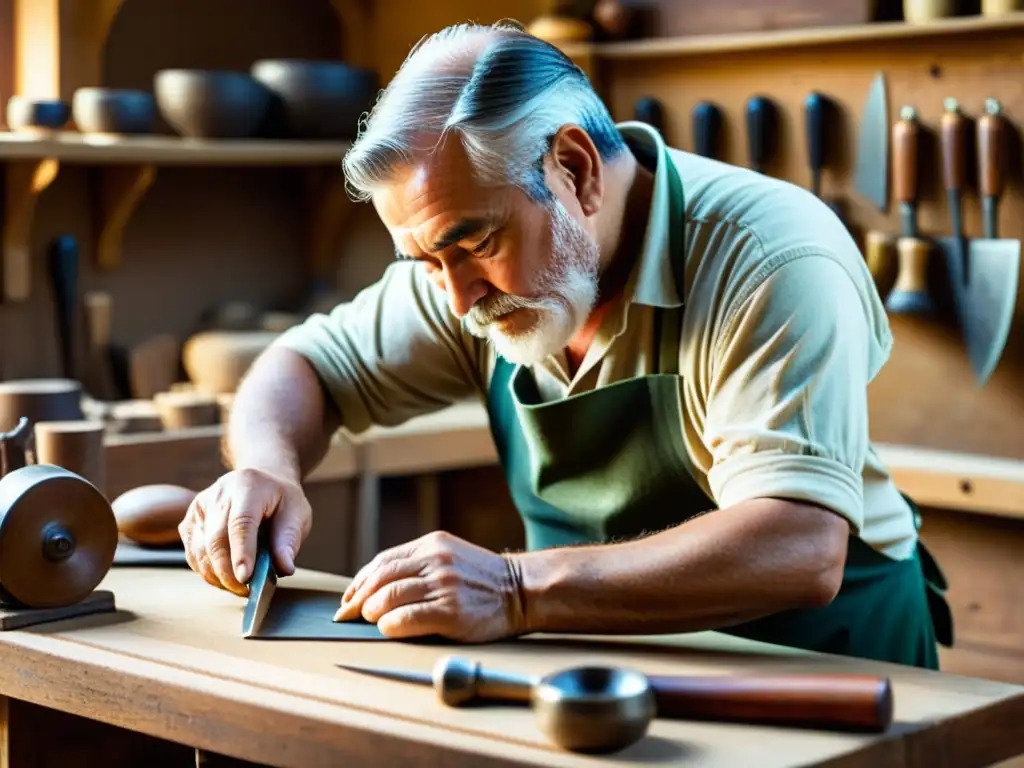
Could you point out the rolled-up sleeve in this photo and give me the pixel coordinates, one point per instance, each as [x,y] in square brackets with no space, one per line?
[786,406]
[393,352]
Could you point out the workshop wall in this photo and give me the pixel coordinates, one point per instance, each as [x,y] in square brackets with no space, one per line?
[201,236]
[927,395]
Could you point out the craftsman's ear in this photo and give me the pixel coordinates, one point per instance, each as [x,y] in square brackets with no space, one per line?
[574,168]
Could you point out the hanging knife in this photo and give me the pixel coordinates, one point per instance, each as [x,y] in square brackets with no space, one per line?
[762,130]
[871,178]
[910,293]
[707,126]
[984,281]
[261,585]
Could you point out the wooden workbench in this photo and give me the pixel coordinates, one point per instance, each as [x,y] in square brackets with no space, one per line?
[171,665]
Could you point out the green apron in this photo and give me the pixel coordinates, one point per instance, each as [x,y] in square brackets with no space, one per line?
[611,464]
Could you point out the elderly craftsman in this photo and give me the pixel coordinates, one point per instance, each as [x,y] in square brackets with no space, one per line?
[674,353]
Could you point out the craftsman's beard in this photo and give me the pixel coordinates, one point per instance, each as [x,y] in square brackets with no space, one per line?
[566,291]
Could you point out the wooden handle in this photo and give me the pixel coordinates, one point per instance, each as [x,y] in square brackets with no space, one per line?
[953,130]
[913,257]
[878,253]
[98,319]
[905,135]
[909,295]
[990,143]
[841,702]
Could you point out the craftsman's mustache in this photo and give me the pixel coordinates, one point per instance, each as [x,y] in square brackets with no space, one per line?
[491,308]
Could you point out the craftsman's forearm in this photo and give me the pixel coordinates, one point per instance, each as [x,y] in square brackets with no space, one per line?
[281,421]
[723,568]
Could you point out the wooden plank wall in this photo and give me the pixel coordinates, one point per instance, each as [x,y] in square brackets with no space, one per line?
[926,396]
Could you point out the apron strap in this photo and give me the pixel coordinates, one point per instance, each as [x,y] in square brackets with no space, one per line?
[668,323]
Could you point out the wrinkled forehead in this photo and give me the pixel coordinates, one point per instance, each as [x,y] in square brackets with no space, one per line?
[435,191]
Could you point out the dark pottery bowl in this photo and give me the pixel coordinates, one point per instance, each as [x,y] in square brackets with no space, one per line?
[211,104]
[25,112]
[318,99]
[109,110]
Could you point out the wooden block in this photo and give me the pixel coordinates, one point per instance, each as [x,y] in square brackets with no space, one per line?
[100,601]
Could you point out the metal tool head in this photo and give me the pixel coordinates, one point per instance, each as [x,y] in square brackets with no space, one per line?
[401,675]
[261,585]
[871,177]
[983,278]
[594,709]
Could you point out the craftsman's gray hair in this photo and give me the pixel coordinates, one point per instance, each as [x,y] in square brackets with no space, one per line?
[503,92]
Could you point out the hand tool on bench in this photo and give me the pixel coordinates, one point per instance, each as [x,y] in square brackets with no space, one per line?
[762,131]
[983,272]
[909,294]
[262,583]
[276,612]
[604,709]
[707,129]
[57,539]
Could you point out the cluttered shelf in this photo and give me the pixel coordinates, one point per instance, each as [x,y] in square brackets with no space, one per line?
[795,38]
[459,437]
[128,166]
[73,147]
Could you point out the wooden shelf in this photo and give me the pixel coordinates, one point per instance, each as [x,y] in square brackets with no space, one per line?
[794,38]
[125,168]
[98,149]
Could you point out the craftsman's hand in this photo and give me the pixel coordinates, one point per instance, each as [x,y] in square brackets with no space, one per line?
[438,584]
[219,530]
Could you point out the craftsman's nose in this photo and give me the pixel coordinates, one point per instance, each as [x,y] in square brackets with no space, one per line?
[464,286]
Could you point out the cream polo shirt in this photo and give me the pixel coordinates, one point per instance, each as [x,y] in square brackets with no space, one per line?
[782,333]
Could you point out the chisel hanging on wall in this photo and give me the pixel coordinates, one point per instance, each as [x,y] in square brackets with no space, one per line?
[707,130]
[649,110]
[910,294]
[762,131]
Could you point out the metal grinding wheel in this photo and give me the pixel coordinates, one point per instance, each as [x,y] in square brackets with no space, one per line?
[58,535]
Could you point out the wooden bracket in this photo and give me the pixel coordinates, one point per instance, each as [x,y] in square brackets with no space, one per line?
[121,187]
[25,181]
[331,209]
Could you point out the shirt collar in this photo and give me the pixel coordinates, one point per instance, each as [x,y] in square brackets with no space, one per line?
[652,280]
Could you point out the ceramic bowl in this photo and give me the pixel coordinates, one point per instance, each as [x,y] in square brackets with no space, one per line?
[26,113]
[211,104]
[317,99]
[110,110]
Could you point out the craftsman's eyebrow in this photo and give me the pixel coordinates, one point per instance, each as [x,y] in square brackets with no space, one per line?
[459,231]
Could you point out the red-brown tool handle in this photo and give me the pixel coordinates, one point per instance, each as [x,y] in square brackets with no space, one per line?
[904,146]
[990,142]
[834,702]
[954,134]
